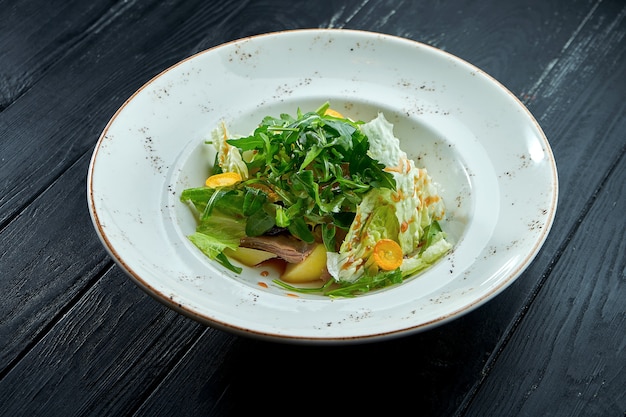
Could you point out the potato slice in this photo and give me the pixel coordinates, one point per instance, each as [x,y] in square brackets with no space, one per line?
[308,270]
[249,256]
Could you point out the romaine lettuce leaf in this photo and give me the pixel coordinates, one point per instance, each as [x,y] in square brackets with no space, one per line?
[217,233]
[403,214]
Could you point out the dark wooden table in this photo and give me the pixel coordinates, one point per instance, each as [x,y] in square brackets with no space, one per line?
[77,337]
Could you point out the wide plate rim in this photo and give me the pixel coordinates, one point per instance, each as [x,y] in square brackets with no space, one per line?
[311,337]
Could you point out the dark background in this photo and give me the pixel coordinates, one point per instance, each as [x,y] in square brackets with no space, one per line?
[78,338]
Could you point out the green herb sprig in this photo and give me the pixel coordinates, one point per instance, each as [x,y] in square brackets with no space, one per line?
[319,168]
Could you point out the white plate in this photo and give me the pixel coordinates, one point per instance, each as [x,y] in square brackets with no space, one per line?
[493,163]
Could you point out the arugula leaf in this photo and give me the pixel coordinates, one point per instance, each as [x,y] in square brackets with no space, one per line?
[301,230]
[253,200]
[248,143]
[260,222]
[314,157]
[329,232]
[367,283]
[348,290]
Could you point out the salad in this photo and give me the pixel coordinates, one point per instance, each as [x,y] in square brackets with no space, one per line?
[336,200]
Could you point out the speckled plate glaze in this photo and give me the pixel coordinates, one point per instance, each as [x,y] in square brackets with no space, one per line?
[493,164]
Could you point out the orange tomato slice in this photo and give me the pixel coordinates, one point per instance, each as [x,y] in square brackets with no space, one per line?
[334,113]
[387,254]
[223,180]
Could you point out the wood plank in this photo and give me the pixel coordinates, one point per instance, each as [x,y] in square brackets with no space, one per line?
[48,256]
[567,357]
[487,34]
[128,49]
[428,372]
[35,36]
[104,354]
[449,368]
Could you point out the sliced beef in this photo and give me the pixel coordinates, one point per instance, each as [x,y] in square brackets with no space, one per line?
[284,246]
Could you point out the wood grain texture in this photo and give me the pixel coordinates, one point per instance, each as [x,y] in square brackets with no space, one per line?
[48,255]
[425,372]
[568,355]
[112,58]
[79,338]
[35,36]
[102,356]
